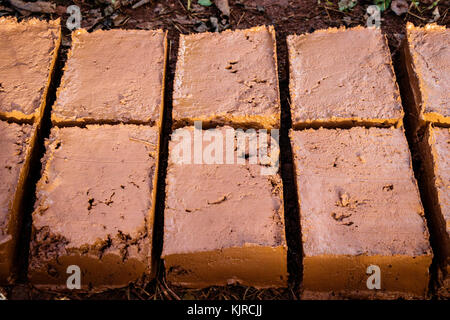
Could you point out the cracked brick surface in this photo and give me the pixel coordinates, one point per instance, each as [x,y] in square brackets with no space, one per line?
[27,58]
[359,205]
[224,223]
[95,204]
[15,148]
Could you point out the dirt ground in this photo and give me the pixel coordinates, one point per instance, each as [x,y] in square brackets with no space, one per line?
[288,17]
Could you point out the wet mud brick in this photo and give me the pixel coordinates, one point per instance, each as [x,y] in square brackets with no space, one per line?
[427,59]
[95,207]
[227,78]
[16,145]
[435,152]
[27,60]
[342,77]
[359,206]
[223,223]
[113,76]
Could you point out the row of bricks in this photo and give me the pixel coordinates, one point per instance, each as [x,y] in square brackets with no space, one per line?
[243,239]
[238,85]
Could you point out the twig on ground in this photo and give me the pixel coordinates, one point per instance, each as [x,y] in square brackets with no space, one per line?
[140,4]
[38,6]
[240,19]
[415,15]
